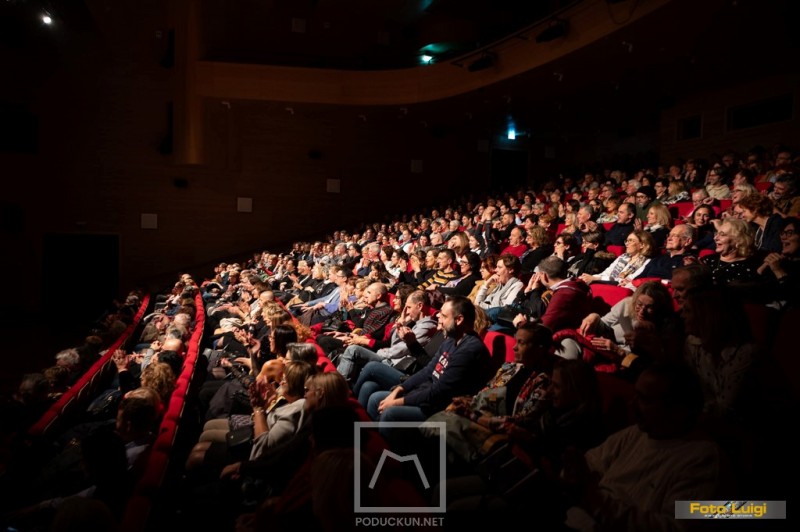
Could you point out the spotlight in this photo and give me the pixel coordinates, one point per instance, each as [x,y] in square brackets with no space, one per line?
[426,59]
[47,19]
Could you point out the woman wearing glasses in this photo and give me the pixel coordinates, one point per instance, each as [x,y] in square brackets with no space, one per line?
[639,248]
[645,324]
[784,267]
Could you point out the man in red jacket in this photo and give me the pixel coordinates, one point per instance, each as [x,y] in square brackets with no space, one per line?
[568,301]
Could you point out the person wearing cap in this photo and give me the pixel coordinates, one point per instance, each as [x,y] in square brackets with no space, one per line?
[645,198]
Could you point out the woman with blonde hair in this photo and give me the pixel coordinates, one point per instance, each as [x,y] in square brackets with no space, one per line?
[733,260]
[659,222]
[160,378]
[539,246]
[639,249]
[677,193]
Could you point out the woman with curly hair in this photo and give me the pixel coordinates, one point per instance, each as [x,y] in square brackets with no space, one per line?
[758,211]
[733,260]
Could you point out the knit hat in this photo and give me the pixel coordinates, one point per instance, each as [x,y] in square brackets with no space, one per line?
[648,191]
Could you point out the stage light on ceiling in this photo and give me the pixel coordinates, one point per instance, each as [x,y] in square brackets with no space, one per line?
[512,133]
[426,59]
[47,19]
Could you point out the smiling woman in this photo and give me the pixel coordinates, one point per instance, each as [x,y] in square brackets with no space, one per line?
[639,248]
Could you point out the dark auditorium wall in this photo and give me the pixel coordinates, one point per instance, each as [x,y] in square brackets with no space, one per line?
[717,135]
[102,159]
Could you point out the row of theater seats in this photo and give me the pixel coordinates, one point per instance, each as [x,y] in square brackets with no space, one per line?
[150,485]
[78,397]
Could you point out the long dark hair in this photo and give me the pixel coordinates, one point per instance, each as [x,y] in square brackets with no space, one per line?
[284,335]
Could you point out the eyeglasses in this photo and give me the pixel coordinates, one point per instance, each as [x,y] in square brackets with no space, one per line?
[789,233]
[641,306]
[631,241]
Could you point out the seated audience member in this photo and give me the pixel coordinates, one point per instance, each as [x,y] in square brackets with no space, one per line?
[645,198]
[136,424]
[506,284]
[757,210]
[678,244]
[785,195]
[569,416]
[470,275]
[488,267]
[516,243]
[632,480]
[658,224]
[412,321]
[637,330]
[784,267]
[705,224]
[733,261]
[739,192]
[475,424]
[626,214]
[743,176]
[318,310]
[371,322]
[700,197]
[459,368]
[593,259]
[586,221]
[639,249]
[720,349]
[609,214]
[566,248]
[661,186]
[476,244]
[539,247]
[560,302]
[715,187]
[693,276]
[677,193]
[445,260]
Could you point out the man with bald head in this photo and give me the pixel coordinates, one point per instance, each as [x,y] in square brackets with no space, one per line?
[678,246]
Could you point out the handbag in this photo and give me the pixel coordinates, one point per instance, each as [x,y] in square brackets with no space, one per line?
[336,323]
[240,441]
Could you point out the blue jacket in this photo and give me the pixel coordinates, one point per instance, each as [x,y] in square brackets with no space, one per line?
[455,370]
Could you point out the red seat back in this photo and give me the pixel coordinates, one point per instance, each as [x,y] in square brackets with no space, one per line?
[681,209]
[609,293]
[616,250]
[500,346]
